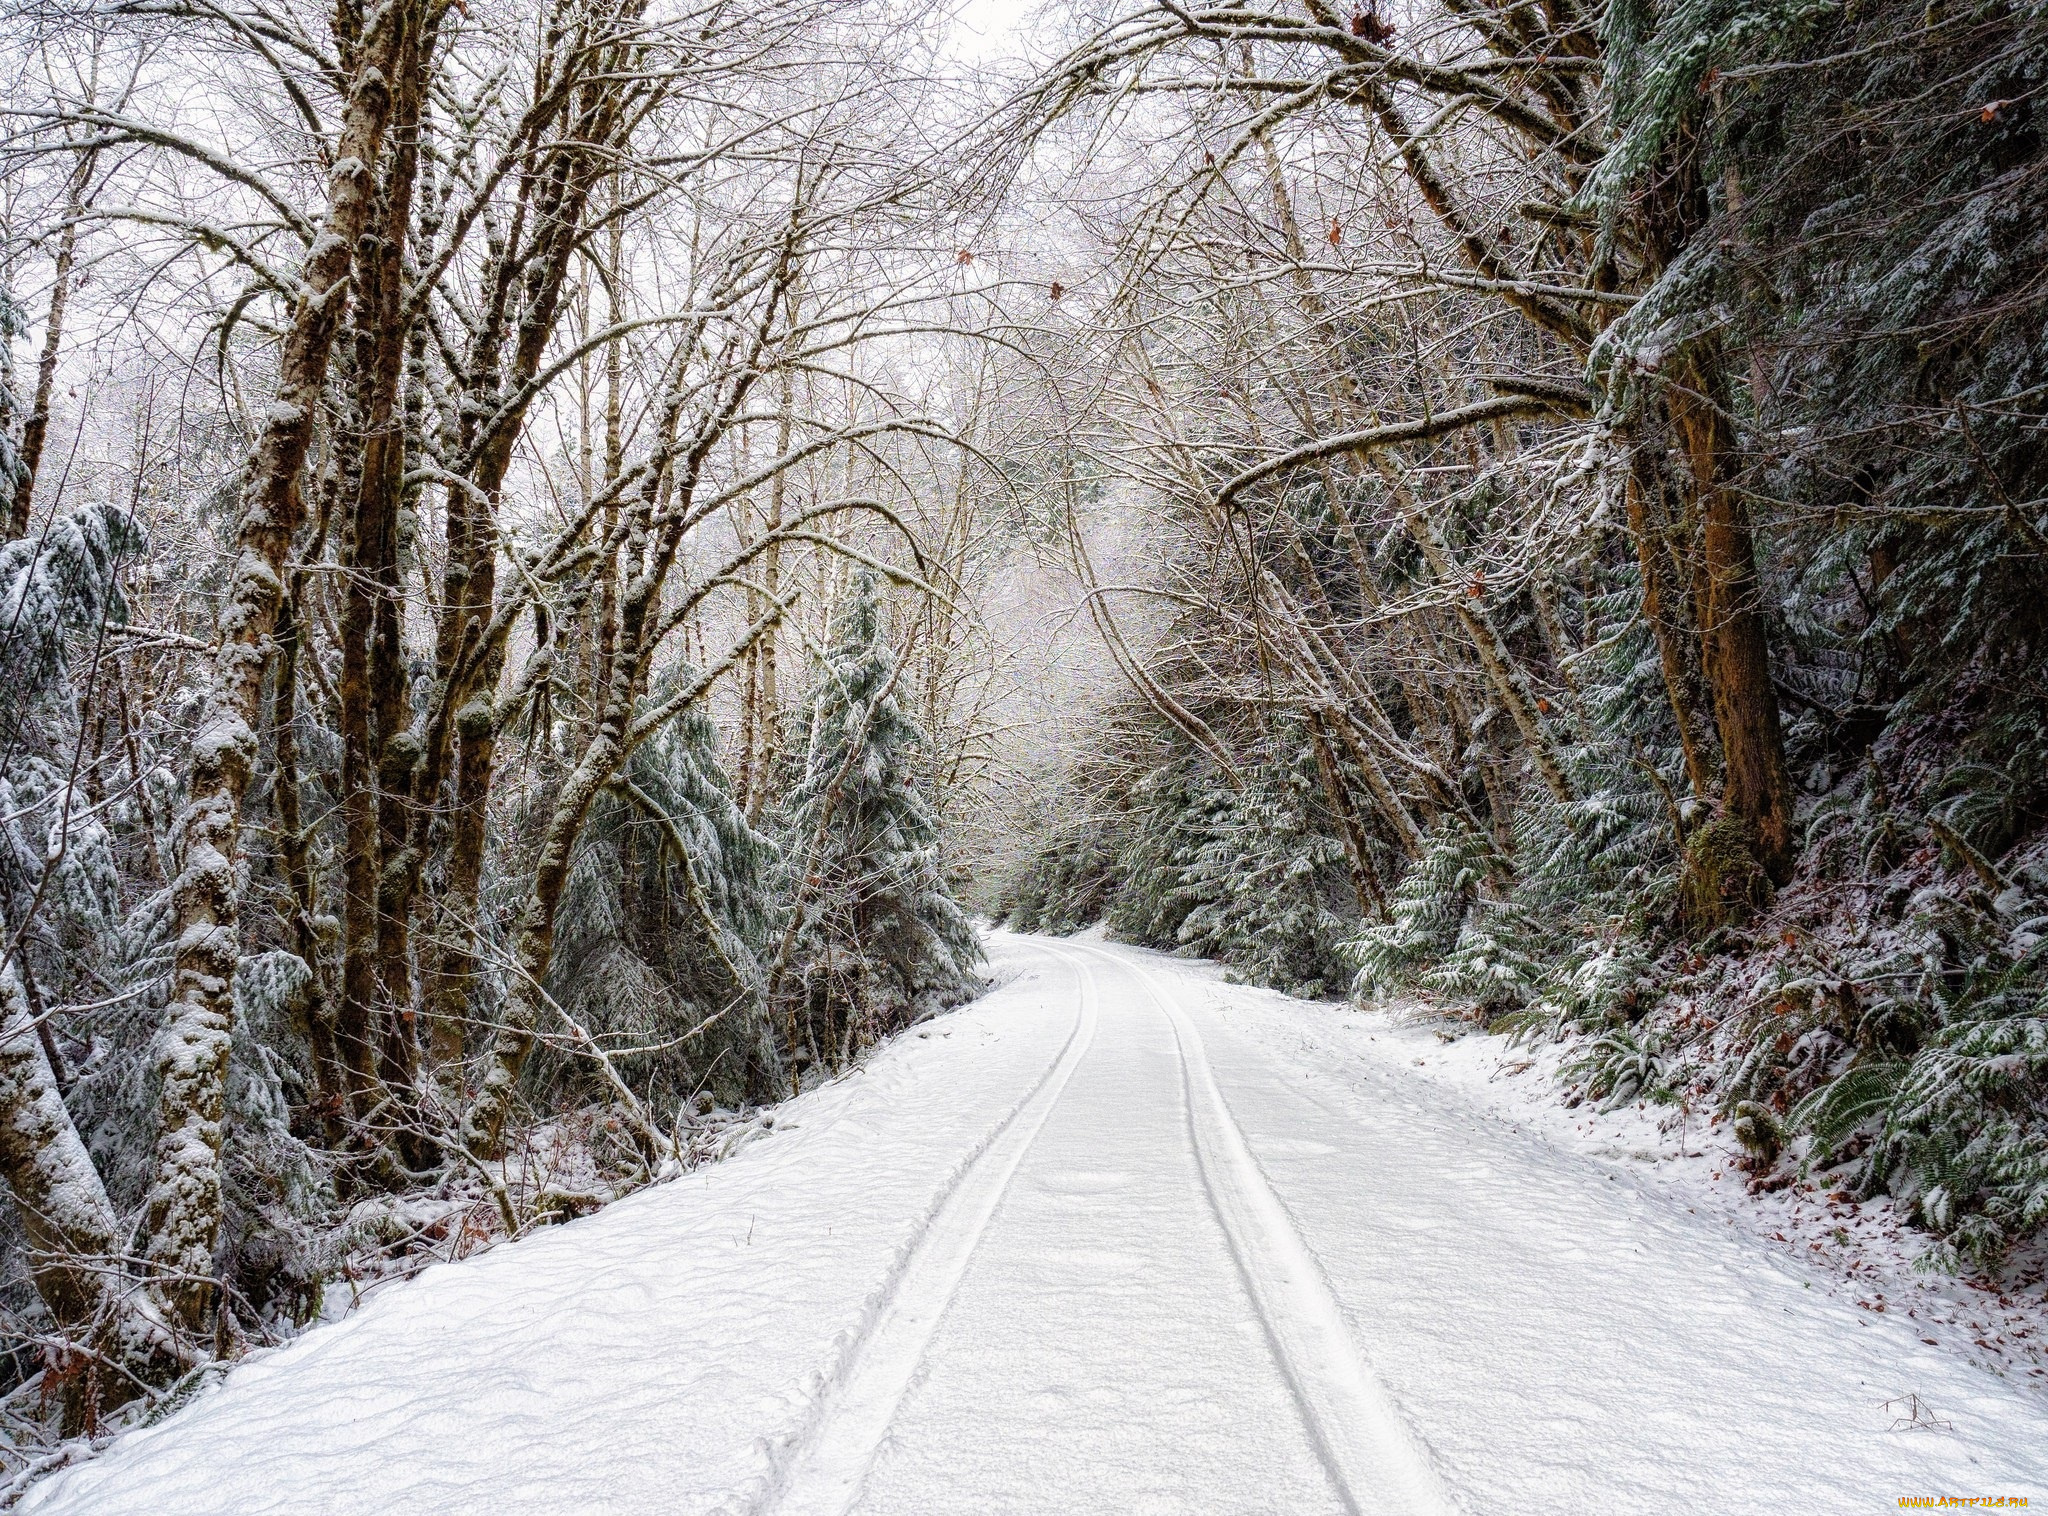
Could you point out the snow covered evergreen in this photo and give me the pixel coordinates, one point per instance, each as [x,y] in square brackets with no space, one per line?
[878,941]
[665,919]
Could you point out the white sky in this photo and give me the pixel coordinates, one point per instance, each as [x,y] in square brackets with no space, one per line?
[988,28]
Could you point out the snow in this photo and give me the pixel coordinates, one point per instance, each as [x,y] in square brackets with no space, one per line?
[1116,1238]
[1861,1251]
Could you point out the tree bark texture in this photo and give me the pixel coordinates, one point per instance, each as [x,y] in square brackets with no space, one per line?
[184,1208]
[1365,883]
[74,1237]
[558,200]
[376,749]
[1734,644]
[1661,614]
[36,430]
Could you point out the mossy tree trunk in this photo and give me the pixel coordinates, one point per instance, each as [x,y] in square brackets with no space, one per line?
[184,1208]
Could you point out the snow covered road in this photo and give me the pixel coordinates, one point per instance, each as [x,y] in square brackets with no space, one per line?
[1115,1239]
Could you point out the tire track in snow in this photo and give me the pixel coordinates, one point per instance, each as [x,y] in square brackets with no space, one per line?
[1372,1454]
[826,1462]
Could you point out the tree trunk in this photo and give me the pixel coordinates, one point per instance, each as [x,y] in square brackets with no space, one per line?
[36,430]
[73,1235]
[1393,810]
[1365,884]
[296,867]
[768,718]
[1734,646]
[476,735]
[397,748]
[184,1209]
[375,779]
[563,197]
[1670,651]
[360,847]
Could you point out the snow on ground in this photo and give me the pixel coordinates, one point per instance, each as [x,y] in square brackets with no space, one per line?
[1862,1251]
[1121,1238]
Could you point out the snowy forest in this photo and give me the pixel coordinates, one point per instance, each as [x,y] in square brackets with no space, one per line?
[566,559]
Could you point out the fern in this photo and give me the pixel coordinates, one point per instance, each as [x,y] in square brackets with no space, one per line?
[1620,1065]
[1858,1101]
[1426,911]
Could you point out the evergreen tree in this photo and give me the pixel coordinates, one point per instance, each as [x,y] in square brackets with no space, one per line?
[1174,806]
[1427,913]
[1258,883]
[55,851]
[663,923]
[1253,877]
[878,941]
[60,898]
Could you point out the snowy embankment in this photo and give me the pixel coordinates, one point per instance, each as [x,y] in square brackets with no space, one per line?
[1117,1238]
